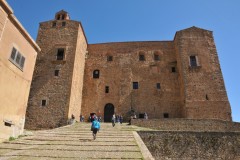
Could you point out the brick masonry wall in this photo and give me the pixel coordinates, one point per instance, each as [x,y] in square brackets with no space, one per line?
[192,145]
[125,69]
[197,125]
[205,80]
[55,89]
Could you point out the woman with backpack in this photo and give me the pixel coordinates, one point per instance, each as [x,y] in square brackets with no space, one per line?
[95,127]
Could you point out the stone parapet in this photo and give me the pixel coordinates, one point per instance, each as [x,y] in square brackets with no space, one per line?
[197,125]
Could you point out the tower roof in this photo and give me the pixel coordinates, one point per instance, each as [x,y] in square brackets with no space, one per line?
[62,15]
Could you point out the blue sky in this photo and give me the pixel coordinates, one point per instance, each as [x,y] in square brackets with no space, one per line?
[148,20]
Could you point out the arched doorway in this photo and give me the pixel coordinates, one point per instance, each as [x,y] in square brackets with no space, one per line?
[108,112]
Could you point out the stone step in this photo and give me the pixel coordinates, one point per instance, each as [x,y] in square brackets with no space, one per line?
[69,147]
[47,158]
[74,154]
[118,139]
[84,135]
[87,132]
[77,143]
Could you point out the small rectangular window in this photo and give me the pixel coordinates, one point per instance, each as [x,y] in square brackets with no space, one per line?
[165,115]
[54,24]
[17,58]
[173,69]
[193,61]
[107,89]
[158,86]
[56,73]
[109,58]
[135,85]
[141,57]
[156,57]
[60,54]
[63,24]
[44,102]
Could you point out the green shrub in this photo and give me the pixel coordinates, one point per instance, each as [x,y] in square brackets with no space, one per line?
[11,138]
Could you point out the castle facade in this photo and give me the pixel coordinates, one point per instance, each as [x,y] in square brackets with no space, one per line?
[166,79]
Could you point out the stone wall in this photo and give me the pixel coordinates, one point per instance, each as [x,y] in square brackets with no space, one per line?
[78,73]
[62,92]
[192,145]
[202,87]
[124,69]
[200,125]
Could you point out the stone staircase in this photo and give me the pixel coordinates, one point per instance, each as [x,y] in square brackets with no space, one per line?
[76,142]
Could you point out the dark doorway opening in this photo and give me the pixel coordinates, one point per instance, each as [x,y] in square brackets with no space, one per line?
[165,115]
[141,115]
[108,112]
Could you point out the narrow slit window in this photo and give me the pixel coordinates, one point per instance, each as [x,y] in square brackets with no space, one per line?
[60,54]
[158,86]
[207,97]
[107,89]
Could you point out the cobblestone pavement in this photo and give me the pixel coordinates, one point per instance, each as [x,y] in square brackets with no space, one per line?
[76,142]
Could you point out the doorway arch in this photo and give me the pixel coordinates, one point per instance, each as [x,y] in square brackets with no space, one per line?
[108,112]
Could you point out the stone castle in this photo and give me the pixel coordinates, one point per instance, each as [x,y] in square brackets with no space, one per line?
[166,79]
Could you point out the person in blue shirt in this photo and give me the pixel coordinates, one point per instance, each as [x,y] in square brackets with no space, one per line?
[95,127]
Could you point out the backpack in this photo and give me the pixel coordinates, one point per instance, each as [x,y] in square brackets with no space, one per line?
[95,125]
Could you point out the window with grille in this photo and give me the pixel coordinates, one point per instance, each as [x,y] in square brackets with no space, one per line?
[17,58]
[107,89]
[193,61]
[44,103]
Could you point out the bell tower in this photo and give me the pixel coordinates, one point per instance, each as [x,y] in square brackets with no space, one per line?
[56,91]
[62,15]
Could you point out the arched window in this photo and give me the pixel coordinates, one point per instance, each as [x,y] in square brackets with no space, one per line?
[96,74]
[141,56]
[157,55]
